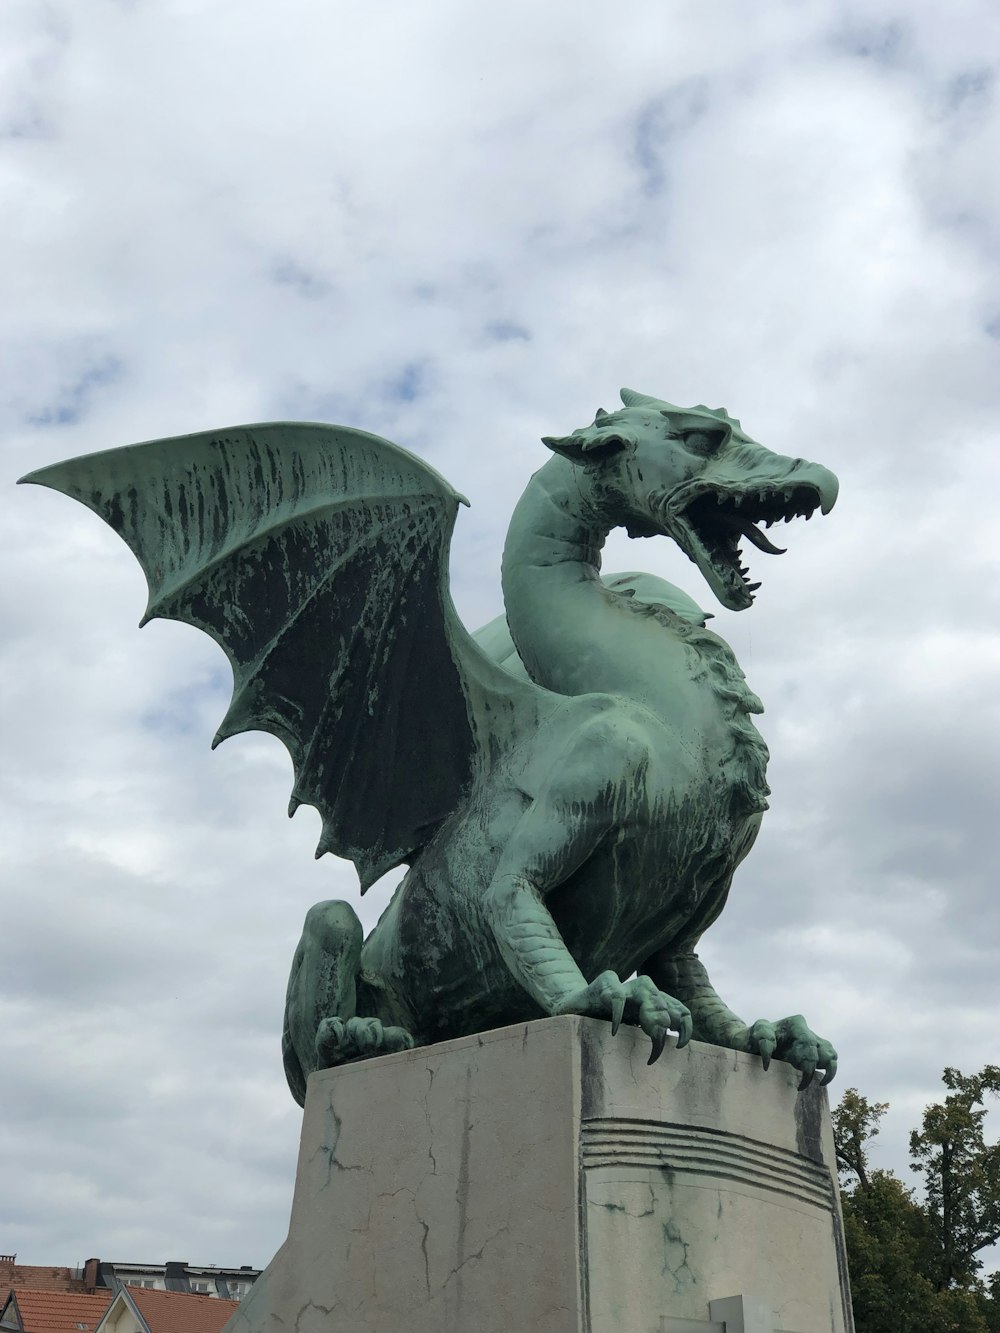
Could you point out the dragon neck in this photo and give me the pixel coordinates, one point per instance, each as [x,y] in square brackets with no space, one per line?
[573,635]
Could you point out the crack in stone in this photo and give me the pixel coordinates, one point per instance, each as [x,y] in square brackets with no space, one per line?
[423,1250]
[671,1238]
[462,1183]
[328,1147]
[312,1305]
[456,1272]
[427,1117]
[609,1206]
[403,1189]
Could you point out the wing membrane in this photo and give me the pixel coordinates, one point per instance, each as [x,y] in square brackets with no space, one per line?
[316,556]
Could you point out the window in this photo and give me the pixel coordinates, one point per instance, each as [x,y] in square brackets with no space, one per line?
[199,1286]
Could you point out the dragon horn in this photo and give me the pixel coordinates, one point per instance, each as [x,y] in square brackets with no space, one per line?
[632,398]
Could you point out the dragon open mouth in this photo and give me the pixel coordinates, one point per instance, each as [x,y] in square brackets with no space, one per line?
[710,528]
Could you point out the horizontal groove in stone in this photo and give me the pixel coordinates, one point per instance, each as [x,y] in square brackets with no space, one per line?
[612,1142]
[705,1167]
[713,1140]
[704,1156]
[710,1150]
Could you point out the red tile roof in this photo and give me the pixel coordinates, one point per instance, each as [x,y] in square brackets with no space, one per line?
[60,1311]
[181,1311]
[38,1277]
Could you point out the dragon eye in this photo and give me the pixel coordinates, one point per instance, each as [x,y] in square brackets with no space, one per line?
[703,441]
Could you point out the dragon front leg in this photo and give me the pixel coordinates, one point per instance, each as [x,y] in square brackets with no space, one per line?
[558,833]
[530,944]
[789,1039]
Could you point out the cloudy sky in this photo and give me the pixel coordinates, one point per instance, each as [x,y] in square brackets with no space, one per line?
[463,226]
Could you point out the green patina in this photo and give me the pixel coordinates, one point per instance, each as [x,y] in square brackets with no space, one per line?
[571,789]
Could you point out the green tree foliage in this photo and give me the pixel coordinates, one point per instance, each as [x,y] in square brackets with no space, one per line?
[915,1263]
[855,1123]
[961,1175]
[888,1248]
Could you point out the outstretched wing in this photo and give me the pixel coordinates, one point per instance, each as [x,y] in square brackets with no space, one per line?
[316,557]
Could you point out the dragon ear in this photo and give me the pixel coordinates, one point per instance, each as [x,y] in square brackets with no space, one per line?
[590,445]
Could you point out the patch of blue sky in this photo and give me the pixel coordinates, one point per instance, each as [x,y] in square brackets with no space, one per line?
[884,43]
[992,327]
[659,123]
[305,402]
[181,713]
[72,400]
[408,384]
[970,89]
[289,273]
[220,681]
[27,123]
[506,331]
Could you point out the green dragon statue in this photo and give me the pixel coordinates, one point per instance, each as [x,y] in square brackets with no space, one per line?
[571,790]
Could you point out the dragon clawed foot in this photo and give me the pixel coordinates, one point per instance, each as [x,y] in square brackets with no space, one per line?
[338,1041]
[792,1040]
[637,1002]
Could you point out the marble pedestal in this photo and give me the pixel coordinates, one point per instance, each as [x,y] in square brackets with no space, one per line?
[543,1179]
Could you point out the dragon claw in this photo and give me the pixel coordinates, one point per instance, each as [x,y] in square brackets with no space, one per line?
[637,1001]
[659,1042]
[339,1041]
[792,1040]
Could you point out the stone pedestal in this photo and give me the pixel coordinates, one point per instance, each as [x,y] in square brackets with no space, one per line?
[543,1179]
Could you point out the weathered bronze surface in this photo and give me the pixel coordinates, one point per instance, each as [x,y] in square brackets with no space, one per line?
[571,790]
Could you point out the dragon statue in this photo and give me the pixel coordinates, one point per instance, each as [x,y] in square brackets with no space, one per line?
[571,789]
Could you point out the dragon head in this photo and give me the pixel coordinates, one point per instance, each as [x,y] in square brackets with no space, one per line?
[694,475]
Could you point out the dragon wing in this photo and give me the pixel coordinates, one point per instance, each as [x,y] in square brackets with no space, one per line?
[317,558]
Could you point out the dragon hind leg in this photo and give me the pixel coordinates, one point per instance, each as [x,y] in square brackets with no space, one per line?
[322,1027]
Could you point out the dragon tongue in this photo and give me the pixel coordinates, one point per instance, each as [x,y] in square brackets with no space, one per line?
[759,540]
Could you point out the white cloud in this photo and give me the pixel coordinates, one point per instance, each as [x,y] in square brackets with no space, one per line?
[463,227]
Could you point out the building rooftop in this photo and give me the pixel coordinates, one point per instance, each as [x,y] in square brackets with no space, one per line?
[179,1311]
[59,1311]
[39,1276]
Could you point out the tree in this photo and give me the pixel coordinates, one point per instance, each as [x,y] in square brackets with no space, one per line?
[914,1263]
[961,1175]
[888,1248]
[855,1122]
